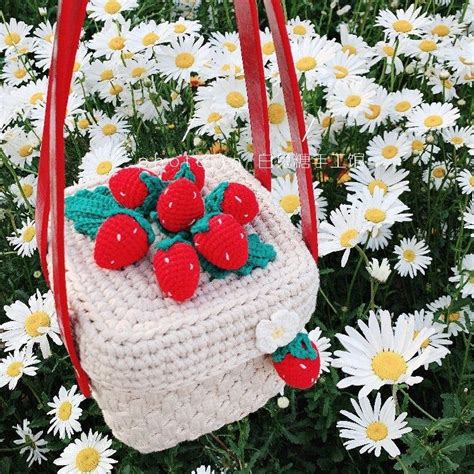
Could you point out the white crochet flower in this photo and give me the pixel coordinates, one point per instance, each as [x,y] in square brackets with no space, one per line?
[278,331]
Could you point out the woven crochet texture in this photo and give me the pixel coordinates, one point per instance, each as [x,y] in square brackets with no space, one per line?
[164,372]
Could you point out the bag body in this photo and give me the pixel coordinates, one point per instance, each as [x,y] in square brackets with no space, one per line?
[164,372]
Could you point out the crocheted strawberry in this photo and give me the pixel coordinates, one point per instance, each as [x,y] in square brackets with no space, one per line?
[122,240]
[179,205]
[298,363]
[235,199]
[174,167]
[177,270]
[222,241]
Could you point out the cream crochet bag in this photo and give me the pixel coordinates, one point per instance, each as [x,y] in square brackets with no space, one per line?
[164,372]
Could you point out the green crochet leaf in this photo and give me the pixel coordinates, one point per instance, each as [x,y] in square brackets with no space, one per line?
[88,209]
[214,200]
[300,347]
[202,225]
[260,254]
[155,187]
[185,172]
[167,243]
[214,272]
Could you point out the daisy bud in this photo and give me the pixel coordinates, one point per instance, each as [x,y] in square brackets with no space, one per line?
[429,139]
[147,83]
[394,4]
[379,271]
[283,402]
[343,10]
[197,141]
[42,11]
[410,69]
[37,274]
[444,74]
[333,4]
[461,102]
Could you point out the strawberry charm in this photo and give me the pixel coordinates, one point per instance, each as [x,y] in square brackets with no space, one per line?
[298,363]
[179,205]
[177,269]
[122,240]
[235,199]
[222,241]
[175,166]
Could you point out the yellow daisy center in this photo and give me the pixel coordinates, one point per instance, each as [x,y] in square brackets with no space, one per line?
[389,365]
[340,72]
[439,173]
[299,30]
[388,50]
[454,317]
[235,99]
[306,63]
[375,215]
[417,145]
[276,113]
[433,121]
[76,67]
[36,97]
[471,180]
[25,150]
[353,100]
[179,28]
[104,167]
[249,147]
[115,89]
[49,38]
[457,140]
[348,48]
[347,237]
[83,123]
[138,71]
[20,73]
[377,431]
[116,43]
[268,48]
[290,203]
[213,117]
[65,410]
[427,46]
[12,38]
[447,84]
[278,332]
[150,38]
[27,190]
[402,106]
[288,148]
[231,47]
[112,6]
[328,120]
[109,129]
[465,61]
[87,459]
[184,60]
[409,255]
[440,30]
[377,183]
[389,151]
[15,368]
[28,234]
[402,26]
[374,112]
[36,320]
[106,75]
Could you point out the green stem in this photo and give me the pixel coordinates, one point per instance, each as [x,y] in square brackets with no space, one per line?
[432,418]
[402,465]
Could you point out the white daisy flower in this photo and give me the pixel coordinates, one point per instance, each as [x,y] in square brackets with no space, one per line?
[412,257]
[390,50]
[329,124]
[438,175]
[342,67]
[204,470]
[224,64]
[44,32]
[227,42]
[13,34]
[352,44]
[380,354]
[321,202]
[31,324]
[390,149]
[23,240]
[90,453]
[102,160]
[111,40]
[108,129]
[278,331]
[425,49]
[183,27]
[343,231]
[379,109]
[379,271]
[268,51]
[299,28]
[245,146]
[456,320]
[21,146]
[389,179]
[106,10]
[404,101]
[463,276]
[15,73]
[211,120]
[435,116]
[112,91]
[373,429]
[465,180]
[420,148]
[468,217]
[15,365]
[32,94]
[379,238]
[66,411]
[352,98]
[32,444]
[27,190]
[182,57]
[459,59]
[102,72]
[442,86]
[380,210]
[285,193]
[458,136]
[323,344]
[403,22]
[147,35]
[443,26]
[437,341]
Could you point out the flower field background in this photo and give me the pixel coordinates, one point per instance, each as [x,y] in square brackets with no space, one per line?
[387,91]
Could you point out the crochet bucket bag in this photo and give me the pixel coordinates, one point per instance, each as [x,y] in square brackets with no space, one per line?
[181,289]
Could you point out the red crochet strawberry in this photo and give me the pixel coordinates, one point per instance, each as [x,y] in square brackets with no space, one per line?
[298,363]
[222,241]
[127,187]
[174,166]
[177,270]
[179,205]
[235,199]
[122,240]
